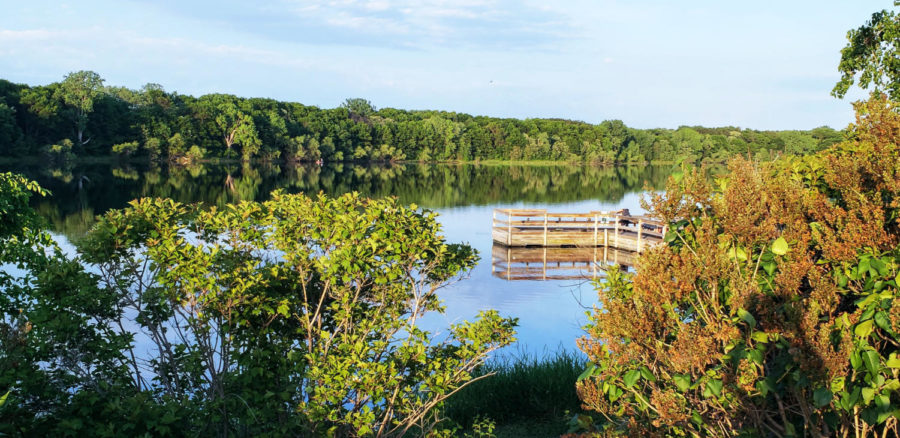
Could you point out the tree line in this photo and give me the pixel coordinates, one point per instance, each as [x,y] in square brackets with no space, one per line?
[81,116]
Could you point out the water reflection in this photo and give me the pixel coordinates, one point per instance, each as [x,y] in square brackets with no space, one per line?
[511,263]
[82,191]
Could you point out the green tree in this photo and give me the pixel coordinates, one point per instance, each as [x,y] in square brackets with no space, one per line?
[10,133]
[238,128]
[872,56]
[79,90]
[359,107]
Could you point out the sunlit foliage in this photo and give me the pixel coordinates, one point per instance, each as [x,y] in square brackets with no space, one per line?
[168,125]
[292,317]
[871,58]
[772,309]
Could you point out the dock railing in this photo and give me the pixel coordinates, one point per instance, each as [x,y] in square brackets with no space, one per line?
[538,227]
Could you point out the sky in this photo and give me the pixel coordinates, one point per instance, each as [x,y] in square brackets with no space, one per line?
[651,63]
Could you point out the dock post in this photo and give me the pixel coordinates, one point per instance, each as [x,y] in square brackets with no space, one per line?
[545,229]
[640,230]
[508,263]
[617,231]
[509,229]
[545,264]
[595,230]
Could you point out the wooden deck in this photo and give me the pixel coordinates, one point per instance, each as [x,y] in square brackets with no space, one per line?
[546,263]
[613,229]
[537,245]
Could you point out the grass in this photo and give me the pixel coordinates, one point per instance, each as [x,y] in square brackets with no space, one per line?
[527,395]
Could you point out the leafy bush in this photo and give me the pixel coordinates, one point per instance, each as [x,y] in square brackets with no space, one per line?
[126,149]
[296,316]
[291,316]
[61,151]
[773,308]
[60,358]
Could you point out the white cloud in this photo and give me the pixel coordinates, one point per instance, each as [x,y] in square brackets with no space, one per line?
[427,23]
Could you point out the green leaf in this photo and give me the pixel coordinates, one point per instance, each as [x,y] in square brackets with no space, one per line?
[868,394]
[883,321]
[631,377]
[863,329]
[683,382]
[879,266]
[760,337]
[855,360]
[588,372]
[696,418]
[647,375]
[780,246]
[893,361]
[747,317]
[756,356]
[872,361]
[670,237]
[3,399]
[714,386]
[863,268]
[822,397]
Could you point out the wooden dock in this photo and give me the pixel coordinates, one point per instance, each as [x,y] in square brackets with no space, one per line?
[538,228]
[547,263]
[538,245]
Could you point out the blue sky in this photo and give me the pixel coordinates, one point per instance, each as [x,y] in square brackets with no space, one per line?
[651,63]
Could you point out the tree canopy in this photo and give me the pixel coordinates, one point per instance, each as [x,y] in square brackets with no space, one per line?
[871,58]
[226,126]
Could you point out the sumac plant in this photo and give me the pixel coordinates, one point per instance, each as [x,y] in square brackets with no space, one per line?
[295,316]
[771,309]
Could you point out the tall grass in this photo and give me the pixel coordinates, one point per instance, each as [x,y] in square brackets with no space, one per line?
[523,387]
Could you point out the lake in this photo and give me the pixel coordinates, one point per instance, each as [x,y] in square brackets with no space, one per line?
[551,313]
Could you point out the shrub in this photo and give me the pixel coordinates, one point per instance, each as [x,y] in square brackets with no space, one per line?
[772,309]
[62,151]
[60,357]
[293,316]
[126,149]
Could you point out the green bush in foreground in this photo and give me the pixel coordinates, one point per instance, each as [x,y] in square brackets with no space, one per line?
[296,316]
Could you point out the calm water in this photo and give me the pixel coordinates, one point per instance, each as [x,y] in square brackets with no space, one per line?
[551,313]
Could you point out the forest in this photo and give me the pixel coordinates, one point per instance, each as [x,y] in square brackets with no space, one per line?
[81,116]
